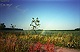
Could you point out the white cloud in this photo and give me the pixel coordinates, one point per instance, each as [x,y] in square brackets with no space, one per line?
[19,9]
[5,5]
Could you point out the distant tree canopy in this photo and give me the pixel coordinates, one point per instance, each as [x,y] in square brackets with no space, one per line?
[2,25]
[78,29]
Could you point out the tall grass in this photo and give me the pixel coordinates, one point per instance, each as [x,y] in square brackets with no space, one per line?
[21,42]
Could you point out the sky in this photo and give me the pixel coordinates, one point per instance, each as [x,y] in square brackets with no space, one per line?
[53,14]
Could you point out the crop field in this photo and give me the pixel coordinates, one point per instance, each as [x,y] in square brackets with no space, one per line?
[38,41]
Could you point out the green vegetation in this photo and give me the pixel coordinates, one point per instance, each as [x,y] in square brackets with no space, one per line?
[21,41]
[2,25]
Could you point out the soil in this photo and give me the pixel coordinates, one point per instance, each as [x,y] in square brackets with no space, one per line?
[61,49]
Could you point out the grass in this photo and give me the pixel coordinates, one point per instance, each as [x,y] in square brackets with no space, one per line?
[31,42]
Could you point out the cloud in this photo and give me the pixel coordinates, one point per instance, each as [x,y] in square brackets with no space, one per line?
[17,7]
[7,5]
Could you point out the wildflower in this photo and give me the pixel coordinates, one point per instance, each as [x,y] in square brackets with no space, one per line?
[31,49]
[38,46]
[49,47]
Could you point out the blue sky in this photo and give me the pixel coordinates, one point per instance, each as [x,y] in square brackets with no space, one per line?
[53,14]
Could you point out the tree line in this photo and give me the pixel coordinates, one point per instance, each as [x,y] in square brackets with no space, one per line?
[2,26]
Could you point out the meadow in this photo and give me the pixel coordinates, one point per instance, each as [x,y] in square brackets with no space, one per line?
[41,41]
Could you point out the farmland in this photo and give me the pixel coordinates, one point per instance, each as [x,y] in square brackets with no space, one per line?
[41,41]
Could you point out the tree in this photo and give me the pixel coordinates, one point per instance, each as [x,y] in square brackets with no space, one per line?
[2,25]
[35,24]
[77,29]
[13,26]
